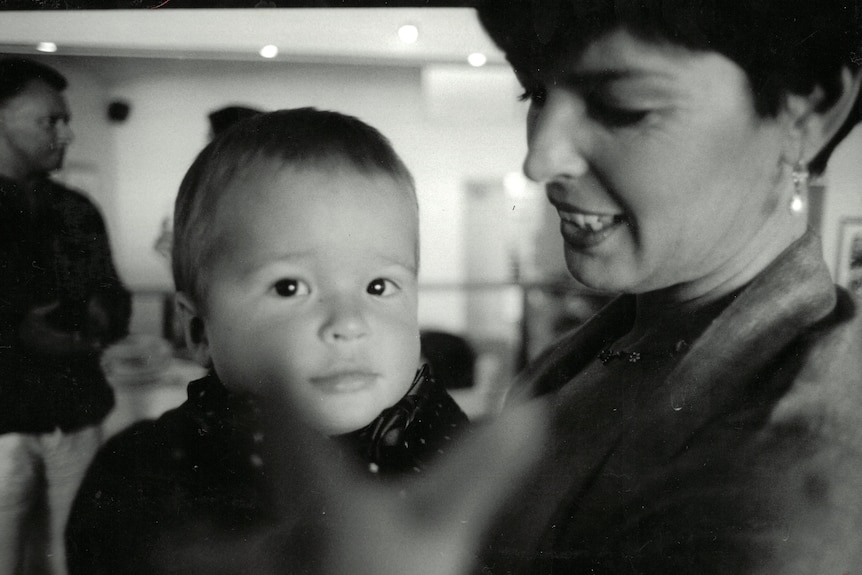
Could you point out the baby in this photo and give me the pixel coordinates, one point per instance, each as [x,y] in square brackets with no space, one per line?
[295,260]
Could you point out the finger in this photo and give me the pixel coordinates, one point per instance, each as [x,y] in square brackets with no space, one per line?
[486,465]
[304,466]
[462,496]
[433,526]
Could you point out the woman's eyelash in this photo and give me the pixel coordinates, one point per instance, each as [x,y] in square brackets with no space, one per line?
[609,115]
[535,95]
[615,117]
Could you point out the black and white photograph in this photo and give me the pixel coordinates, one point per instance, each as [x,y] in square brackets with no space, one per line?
[434,287]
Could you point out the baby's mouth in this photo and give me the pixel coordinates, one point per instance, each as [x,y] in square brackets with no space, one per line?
[344,381]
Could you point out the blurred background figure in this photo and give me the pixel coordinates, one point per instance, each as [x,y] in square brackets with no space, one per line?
[61,303]
[224,118]
[220,120]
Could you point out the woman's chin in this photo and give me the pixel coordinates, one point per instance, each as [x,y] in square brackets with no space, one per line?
[596,277]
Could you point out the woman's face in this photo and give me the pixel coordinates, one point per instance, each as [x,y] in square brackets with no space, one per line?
[663,174]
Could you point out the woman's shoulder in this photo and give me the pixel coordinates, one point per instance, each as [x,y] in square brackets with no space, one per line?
[827,386]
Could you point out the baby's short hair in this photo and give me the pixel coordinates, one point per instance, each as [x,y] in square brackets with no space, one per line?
[298,137]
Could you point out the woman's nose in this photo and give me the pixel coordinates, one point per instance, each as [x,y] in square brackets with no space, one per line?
[556,139]
[345,321]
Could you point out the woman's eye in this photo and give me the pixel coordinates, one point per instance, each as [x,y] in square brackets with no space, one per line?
[381,287]
[535,94]
[290,288]
[615,117]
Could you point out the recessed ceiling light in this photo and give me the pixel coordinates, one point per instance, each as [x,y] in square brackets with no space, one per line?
[46,47]
[477,59]
[408,33]
[269,51]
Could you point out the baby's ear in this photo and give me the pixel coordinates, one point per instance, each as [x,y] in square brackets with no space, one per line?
[194,329]
[816,122]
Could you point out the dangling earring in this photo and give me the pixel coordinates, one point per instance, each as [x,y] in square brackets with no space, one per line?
[799,201]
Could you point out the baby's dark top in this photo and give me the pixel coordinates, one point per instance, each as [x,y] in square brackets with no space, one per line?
[203,462]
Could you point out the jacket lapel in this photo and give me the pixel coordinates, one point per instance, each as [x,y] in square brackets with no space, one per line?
[577,445]
[785,301]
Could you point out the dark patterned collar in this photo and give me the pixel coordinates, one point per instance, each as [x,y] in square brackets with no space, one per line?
[403,438]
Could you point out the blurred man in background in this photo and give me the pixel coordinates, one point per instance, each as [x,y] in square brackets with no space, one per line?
[61,303]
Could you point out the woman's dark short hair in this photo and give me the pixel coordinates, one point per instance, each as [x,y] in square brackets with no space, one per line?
[784,46]
[16,73]
[302,137]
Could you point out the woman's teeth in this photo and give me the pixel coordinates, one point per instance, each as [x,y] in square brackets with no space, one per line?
[592,222]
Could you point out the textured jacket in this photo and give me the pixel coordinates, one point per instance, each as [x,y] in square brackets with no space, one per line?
[746,460]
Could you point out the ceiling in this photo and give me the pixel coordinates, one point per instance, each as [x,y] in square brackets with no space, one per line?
[349,35]
[165,4]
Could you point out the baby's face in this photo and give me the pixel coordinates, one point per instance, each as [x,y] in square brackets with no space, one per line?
[314,291]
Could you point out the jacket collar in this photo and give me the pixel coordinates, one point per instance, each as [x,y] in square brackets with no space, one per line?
[784,302]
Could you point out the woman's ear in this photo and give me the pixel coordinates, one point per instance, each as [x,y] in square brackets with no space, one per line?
[194,329]
[815,123]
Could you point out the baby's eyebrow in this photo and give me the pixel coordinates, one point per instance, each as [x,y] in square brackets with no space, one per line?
[253,265]
[396,262]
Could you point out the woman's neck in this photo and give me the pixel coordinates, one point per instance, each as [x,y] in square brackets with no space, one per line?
[668,306]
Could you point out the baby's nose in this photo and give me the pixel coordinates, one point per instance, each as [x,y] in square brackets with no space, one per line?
[345,322]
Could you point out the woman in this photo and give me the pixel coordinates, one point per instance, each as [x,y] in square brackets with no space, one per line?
[707,420]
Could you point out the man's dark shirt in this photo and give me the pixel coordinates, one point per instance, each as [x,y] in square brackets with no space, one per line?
[54,248]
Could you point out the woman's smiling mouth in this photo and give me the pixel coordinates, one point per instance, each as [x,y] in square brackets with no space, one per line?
[590,222]
[582,230]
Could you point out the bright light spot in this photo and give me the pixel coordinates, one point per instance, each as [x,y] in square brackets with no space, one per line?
[269,51]
[477,59]
[408,33]
[46,47]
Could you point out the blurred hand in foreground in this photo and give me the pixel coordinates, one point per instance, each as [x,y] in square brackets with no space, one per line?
[335,521]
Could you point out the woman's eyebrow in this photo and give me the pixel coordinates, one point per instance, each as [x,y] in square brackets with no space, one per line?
[609,75]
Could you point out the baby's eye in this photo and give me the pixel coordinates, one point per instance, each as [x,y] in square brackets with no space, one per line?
[290,288]
[381,287]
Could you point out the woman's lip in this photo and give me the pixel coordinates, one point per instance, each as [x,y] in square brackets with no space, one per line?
[344,381]
[563,206]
